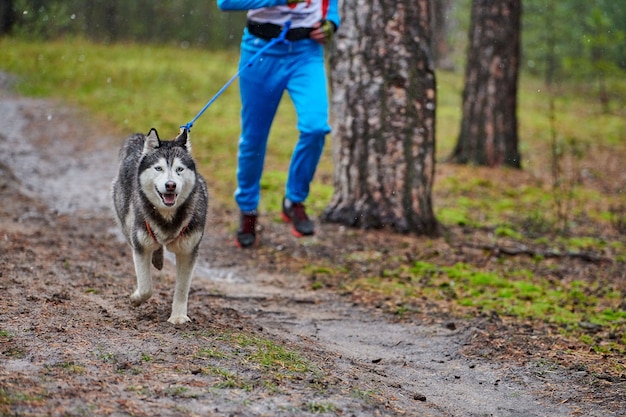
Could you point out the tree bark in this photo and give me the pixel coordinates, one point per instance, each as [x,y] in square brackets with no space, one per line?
[488,133]
[383,102]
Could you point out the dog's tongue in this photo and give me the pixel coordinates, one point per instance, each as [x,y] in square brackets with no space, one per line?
[169,199]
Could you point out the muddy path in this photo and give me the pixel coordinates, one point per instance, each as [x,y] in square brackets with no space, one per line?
[71,344]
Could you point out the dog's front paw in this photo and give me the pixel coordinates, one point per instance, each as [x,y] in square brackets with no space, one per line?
[179,319]
[137,298]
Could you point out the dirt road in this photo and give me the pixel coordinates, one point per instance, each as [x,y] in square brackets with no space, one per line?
[71,344]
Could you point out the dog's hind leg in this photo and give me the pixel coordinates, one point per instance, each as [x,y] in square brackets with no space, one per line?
[184,270]
[144,279]
[157,258]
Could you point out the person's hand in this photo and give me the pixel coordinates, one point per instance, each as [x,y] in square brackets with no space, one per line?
[293,3]
[323,31]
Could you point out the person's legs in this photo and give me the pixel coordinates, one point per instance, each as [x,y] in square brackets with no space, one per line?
[308,91]
[261,87]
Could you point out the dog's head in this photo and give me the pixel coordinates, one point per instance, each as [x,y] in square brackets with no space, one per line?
[167,172]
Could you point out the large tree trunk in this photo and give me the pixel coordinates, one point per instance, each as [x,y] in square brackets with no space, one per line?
[383,104]
[489,127]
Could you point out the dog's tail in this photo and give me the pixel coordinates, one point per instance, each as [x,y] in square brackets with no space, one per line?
[157,258]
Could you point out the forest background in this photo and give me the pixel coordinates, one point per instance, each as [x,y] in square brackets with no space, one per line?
[589,36]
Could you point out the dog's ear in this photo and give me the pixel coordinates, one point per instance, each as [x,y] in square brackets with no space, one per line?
[183,139]
[152,142]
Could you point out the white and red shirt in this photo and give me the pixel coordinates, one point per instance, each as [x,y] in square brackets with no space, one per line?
[302,15]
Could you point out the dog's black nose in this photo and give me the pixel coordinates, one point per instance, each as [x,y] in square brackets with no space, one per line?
[170,186]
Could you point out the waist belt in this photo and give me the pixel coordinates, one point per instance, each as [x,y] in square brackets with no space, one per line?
[269,31]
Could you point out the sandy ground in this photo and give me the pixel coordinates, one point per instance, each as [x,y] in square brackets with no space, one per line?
[71,344]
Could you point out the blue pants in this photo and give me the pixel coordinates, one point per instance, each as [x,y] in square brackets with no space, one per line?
[298,68]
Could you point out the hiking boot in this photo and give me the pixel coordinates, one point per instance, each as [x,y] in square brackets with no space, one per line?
[295,214]
[246,235]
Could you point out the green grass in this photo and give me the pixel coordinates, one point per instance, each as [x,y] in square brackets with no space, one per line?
[510,292]
[8,398]
[270,355]
[321,407]
[269,363]
[180,391]
[136,87]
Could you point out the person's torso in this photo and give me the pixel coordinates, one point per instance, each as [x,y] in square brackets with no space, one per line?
[301,16]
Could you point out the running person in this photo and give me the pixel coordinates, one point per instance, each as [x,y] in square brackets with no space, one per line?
[297,67]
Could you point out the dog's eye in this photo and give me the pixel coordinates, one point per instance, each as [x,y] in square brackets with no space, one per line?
[158,169]
[179,170]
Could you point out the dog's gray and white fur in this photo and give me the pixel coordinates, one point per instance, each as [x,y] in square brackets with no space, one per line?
[160,200]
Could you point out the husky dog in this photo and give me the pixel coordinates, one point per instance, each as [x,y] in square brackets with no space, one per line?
[160,200]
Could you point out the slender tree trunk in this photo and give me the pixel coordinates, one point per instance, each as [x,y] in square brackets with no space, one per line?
[489,127]
[7,16]
[383,105]
[439,41]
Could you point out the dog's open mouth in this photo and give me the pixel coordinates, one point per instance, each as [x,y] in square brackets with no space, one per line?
[168,198]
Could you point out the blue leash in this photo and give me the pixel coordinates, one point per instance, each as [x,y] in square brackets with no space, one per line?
[280,39]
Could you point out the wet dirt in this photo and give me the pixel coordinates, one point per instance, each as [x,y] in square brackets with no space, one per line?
[71,344]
